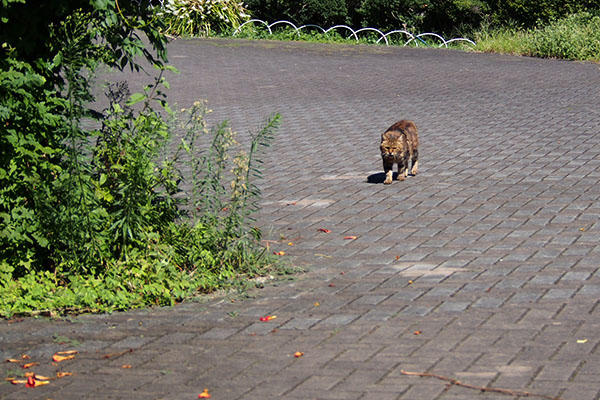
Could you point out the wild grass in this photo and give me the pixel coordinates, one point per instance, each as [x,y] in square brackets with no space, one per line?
[574,37]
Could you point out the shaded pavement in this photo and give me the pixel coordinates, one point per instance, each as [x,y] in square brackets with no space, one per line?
[483,268]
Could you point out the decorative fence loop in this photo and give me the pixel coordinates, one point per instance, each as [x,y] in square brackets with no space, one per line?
[354,33]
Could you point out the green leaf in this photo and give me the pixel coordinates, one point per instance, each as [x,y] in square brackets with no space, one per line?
[136,98]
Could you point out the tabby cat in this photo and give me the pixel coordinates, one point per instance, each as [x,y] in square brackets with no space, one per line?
[399,145]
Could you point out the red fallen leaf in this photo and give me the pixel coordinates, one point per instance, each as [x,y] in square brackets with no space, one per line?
[417,333]
[332,285]
[292,204]
[29,365]
[350,237]
[397,257]
[324,230]
[279,253]
[267,318]
[298,354]
[204,394]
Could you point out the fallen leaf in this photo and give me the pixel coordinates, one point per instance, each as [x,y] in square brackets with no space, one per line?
[317,304]
[417,333]
[410,282]
[292,204]
[126,366]
[332,285]
[29,365]
[581,341]
[268,318]
[32,382]
[290,244]
[324,230]
[58,358]
[204,394]
[12,360]
[67,352]
[582,229]
[298,354]
[350,237]
[41,377]
[25,357]
[279,253]
[397,257]
[63,374]
[17,381]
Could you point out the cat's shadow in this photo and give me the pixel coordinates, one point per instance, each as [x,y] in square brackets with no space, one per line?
[380,177]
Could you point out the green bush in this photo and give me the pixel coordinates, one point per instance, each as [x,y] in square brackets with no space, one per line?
[202,17]
[575,37]
[325,13]
[529,13]
[389,15]
[96,219]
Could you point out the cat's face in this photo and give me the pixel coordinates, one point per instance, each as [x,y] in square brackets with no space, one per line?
[392,147]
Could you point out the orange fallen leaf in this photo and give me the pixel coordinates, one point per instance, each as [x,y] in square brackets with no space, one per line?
[292,203]
[25,357]
[17,381]
[317,304]
[40,377]
[58,358]
[126,366]
[397,257]
[417,333]
[324,230]
[350,237]
[13,360]
[268,318]
[32,382]
[64,353]
[63,374]
[298,354]
[204,394]
[29,365]
[410,282]
[279,253]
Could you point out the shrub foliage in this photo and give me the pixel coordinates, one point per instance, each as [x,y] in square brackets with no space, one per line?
[96,219]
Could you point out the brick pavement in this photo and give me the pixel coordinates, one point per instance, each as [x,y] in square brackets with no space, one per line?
[491,254]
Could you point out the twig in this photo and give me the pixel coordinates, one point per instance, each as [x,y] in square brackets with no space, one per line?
[456,382]
[117,354]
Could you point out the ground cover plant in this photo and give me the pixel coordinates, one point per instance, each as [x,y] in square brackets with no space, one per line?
[96,219]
